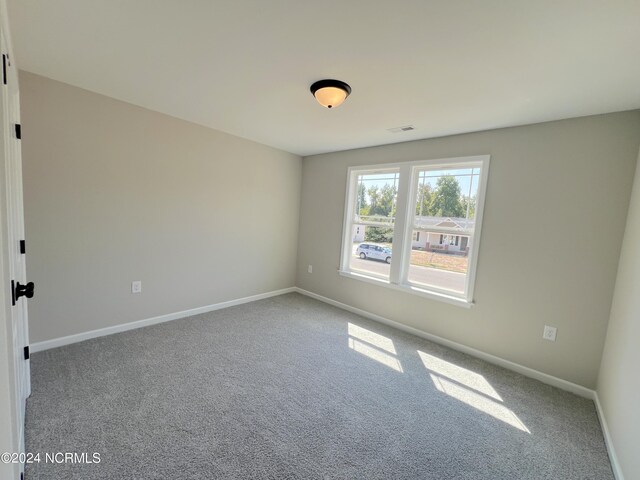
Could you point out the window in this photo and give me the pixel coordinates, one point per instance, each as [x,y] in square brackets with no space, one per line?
[416,226]
[373,210]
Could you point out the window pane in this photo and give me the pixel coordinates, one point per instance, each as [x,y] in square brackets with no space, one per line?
[373,222]
[443,228]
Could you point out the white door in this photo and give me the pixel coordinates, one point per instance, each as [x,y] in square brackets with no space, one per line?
[12,188]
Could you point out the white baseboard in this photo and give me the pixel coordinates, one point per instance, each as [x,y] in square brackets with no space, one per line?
[613,458]
[526,371]
[529,372]
[123,327]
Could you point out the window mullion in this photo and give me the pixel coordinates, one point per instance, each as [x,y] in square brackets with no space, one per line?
[347,234]
[399,262]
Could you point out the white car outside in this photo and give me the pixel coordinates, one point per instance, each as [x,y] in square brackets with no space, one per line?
[375,252]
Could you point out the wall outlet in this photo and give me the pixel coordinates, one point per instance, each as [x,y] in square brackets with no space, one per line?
[136,286]
[549,333]
[310,269]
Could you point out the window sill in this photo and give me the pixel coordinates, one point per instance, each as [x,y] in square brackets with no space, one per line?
[442,297]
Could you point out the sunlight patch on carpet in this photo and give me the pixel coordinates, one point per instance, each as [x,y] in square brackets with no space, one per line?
[479,402]
[374,346]
[458,374]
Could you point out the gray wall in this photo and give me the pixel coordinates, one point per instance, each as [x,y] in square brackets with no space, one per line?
[619,381]
[115,193]
[555,213]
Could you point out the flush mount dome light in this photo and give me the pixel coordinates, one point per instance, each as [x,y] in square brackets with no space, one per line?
[330,93]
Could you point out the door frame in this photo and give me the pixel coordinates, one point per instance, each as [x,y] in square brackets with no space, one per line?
[14,390]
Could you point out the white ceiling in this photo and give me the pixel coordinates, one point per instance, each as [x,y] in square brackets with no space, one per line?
[245,66]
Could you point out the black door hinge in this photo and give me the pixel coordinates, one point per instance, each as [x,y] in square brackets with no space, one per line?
[23,247]
[4,69]
[18,131]
[13,293]
[26,353]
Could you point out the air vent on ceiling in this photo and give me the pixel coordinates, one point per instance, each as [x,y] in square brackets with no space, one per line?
[406,128]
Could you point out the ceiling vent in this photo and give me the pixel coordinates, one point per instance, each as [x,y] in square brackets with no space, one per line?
[406,128]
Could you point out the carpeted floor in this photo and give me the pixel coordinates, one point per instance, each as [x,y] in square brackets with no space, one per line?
[292,388]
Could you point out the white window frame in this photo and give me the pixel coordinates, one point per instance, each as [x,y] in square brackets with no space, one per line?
[403,226]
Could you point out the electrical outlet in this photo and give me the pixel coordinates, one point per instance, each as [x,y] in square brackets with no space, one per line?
[310,269]
[549,333]
[136,286]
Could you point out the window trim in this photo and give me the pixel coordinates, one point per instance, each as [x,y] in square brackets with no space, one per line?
[403,226]
[350,201]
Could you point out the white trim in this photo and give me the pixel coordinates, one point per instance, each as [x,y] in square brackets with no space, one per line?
[347,226]
[123,327]
[526,371]
[608,440]
[474,252]
[407,288]
[402,223]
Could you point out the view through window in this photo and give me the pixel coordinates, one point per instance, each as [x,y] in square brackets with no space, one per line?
[374,212]
[422,217]
[443,227]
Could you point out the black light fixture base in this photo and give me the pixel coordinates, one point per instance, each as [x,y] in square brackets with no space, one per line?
[330,83]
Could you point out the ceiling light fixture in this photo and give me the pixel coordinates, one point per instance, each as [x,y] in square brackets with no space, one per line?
[330,93]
